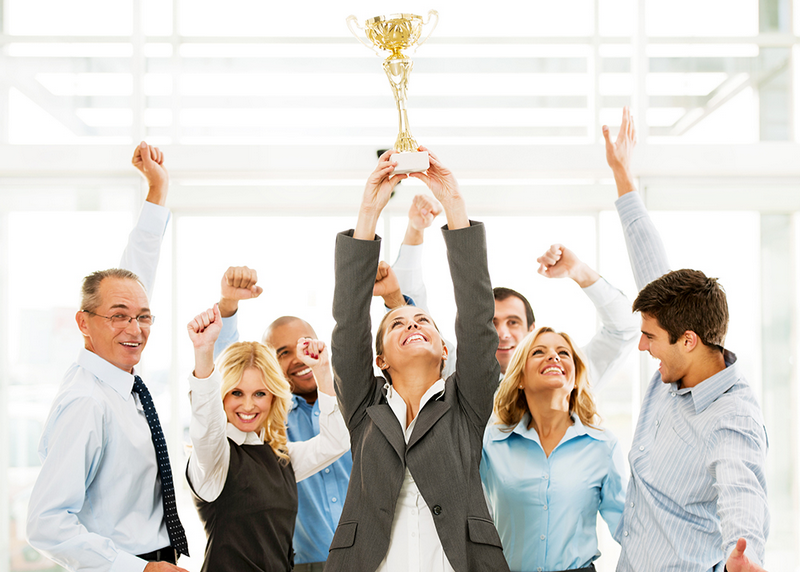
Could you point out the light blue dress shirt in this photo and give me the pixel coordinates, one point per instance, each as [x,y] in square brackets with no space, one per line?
[97,500]
[320,497]
[545,508]
[698,455]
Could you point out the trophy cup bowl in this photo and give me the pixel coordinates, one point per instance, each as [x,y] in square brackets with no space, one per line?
[395,33]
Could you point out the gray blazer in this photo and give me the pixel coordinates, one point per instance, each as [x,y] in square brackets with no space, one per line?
[444,451]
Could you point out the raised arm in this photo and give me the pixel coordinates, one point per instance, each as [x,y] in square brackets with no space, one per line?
[645,249]
[210,458]
[477,370]
[408,265]
[618,330]
[238,283]
[144,242]
[356,264]
[310,456]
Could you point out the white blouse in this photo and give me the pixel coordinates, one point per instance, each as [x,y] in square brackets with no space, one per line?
[415,544]
[209,430]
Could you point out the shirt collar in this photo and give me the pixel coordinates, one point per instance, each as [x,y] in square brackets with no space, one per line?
[707,391]
[244,438]
[119,380]
[398,406]
[577,429]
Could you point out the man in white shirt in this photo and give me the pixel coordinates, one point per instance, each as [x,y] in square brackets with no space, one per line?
[98,504]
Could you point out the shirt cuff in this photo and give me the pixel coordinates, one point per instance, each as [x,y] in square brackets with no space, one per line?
[206,386]
[327,403]
[630,207]
[409,256]
[125,562]
[153,219]
[601,292]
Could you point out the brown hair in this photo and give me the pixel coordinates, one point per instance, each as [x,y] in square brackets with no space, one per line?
[687,300]
[244,355]
[501,293]
[90,290]
[510,404]
[382,331]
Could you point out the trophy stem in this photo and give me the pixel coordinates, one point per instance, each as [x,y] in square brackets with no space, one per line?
[398,70]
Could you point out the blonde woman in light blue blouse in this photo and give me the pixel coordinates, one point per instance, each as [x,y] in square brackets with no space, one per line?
[547,467]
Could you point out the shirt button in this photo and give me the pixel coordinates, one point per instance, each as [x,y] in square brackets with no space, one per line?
[673,394]
[633,504]
[333,499]
[626,533]
[327,471]
[545,477]
[413,534]
[545,507]
[413,511]
[542,537]
[539,569]
[656,422]
[641,447]
[317,412]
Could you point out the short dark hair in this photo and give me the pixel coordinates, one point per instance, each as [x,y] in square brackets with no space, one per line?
[501,293]
[90,290]
[687,300]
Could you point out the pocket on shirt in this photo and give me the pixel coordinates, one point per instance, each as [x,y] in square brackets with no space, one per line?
[482,531]
[345,535]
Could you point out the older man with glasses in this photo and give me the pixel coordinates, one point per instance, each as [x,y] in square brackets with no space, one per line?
[104,499]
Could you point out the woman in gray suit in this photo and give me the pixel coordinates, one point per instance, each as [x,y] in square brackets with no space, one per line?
[415,500]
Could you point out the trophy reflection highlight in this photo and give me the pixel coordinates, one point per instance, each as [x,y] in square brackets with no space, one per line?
[394,33]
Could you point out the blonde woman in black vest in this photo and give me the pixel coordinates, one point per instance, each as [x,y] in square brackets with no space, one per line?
[415,500]
[242,470]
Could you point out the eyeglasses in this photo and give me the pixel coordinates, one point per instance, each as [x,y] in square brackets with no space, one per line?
[121,321]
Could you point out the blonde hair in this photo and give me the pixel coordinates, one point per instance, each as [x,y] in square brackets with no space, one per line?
[244,355]
[510,404]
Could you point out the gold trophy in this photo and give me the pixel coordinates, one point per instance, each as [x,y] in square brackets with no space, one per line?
[394,33]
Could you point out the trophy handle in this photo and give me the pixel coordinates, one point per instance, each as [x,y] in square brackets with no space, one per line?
[432,15]
[353,21]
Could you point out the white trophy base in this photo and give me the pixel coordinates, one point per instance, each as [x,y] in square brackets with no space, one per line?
[411,162]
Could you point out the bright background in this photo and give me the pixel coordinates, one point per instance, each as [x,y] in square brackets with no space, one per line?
[270,114]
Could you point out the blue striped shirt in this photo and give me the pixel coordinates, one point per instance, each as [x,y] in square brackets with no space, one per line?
[698,455]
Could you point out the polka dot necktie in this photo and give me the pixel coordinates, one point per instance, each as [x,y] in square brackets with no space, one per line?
[177,536]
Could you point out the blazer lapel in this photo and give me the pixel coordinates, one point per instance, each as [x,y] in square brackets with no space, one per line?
[426,419]
[383,416]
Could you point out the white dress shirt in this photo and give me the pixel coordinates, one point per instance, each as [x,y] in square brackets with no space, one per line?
[97,500]
[209,430]
[415,544]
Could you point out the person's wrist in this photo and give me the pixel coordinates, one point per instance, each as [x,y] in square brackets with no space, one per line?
[394,300]
[157,193]
[228,307]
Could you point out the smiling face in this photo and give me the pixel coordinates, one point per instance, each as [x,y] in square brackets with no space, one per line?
[408,333]
[673,364]
[121,347]
[511,325]
[284,339]
[550,365]
[247,405]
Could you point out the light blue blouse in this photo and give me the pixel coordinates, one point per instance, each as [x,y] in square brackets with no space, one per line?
[545,508]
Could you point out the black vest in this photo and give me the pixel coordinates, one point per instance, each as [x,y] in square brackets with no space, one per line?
[250,525]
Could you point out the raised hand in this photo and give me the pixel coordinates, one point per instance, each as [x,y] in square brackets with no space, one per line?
[204,330]
[149,161]
[377,193]
[560,262]
[619,153]
[739,562]
[388,286]
[422,211]
[443,185]
[314,353]
[238,283]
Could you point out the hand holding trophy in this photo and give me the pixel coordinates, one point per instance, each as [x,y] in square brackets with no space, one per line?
[394,33]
